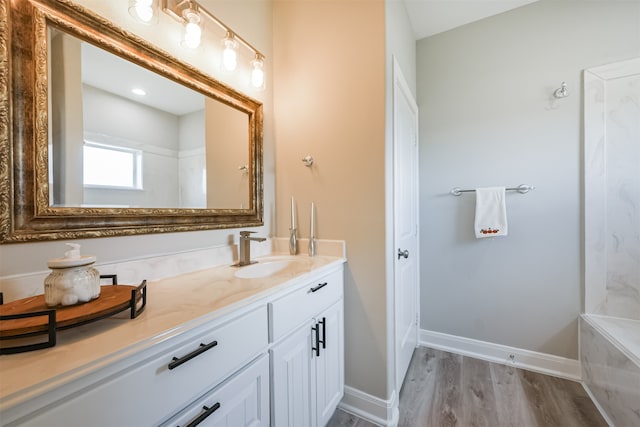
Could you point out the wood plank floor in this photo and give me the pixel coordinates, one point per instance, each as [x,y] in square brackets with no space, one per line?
[446,390]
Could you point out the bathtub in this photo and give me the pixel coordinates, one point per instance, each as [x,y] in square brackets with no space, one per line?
[610,359]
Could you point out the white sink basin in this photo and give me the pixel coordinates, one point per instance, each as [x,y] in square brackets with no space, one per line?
[261,269]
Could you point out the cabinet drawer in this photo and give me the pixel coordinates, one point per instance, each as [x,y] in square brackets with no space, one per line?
[242,400]
[296,308]
[151,391]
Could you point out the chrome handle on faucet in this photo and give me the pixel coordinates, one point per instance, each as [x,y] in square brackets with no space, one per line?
[246,236]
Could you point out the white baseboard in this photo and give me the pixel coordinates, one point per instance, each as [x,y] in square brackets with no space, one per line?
[498,353]
[373,409]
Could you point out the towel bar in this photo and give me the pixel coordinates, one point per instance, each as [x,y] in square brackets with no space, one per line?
[522,188]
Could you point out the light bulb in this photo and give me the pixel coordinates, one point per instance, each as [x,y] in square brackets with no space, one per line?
[192,34]
[142,10]
[192,30]
[229,55]
[257,73]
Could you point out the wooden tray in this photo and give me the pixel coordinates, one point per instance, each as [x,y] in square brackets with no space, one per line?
[29,317]
[113,299]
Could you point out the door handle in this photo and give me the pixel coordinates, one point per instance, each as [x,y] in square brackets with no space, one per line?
[402,253]
[316,330]
[324,332]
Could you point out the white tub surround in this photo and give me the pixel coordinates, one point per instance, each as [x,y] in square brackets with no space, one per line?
[612,189]
[179,309]
[610,368]
[610,329]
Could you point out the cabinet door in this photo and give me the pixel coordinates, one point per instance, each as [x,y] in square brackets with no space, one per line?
[241,401]
[293,379]
[329,366]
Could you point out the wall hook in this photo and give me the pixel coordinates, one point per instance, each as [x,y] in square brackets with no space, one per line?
[562,91]
[308,161]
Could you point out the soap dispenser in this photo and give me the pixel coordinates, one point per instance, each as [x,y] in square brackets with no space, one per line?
[72,280]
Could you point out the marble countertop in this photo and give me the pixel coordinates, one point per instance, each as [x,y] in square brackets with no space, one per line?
[174,305]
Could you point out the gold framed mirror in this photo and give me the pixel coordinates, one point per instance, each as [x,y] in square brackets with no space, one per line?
[46,144]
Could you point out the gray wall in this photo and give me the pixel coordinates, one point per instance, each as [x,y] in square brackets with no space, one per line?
[191,161]
[487,117]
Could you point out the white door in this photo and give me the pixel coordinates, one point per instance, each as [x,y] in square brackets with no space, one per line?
[330,363]
[405,142]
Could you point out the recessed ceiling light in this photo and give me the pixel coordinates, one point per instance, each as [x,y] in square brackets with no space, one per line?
[138,91]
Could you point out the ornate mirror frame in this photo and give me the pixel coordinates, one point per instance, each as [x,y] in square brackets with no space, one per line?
[25,211]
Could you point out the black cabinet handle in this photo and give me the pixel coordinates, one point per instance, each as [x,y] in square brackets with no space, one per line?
[203,416]
[317,288]
[324,332]
[316,329]
[177,361]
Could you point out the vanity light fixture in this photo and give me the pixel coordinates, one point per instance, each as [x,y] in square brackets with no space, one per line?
[142,10]
[192,28]
[257,71]
[192,15]
[230,54]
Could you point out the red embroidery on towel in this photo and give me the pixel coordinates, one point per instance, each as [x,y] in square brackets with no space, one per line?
[489,230]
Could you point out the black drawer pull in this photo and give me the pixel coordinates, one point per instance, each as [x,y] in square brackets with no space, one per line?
[317,288]
[203,416]
[177,361]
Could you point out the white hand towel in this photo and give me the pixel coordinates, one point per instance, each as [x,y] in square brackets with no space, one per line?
[491,212]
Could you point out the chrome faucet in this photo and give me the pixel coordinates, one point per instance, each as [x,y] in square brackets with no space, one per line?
[245,247]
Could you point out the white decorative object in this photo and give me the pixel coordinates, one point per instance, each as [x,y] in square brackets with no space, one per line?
[293,239]
[312,234]
[72,279]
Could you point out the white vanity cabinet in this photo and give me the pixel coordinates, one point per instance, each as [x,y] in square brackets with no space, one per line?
[307,357]
[273,359]
[151,390]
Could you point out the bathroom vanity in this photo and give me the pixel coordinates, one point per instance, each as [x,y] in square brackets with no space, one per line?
[211,347]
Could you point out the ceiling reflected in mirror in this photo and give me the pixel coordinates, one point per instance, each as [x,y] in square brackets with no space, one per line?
[124,77]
